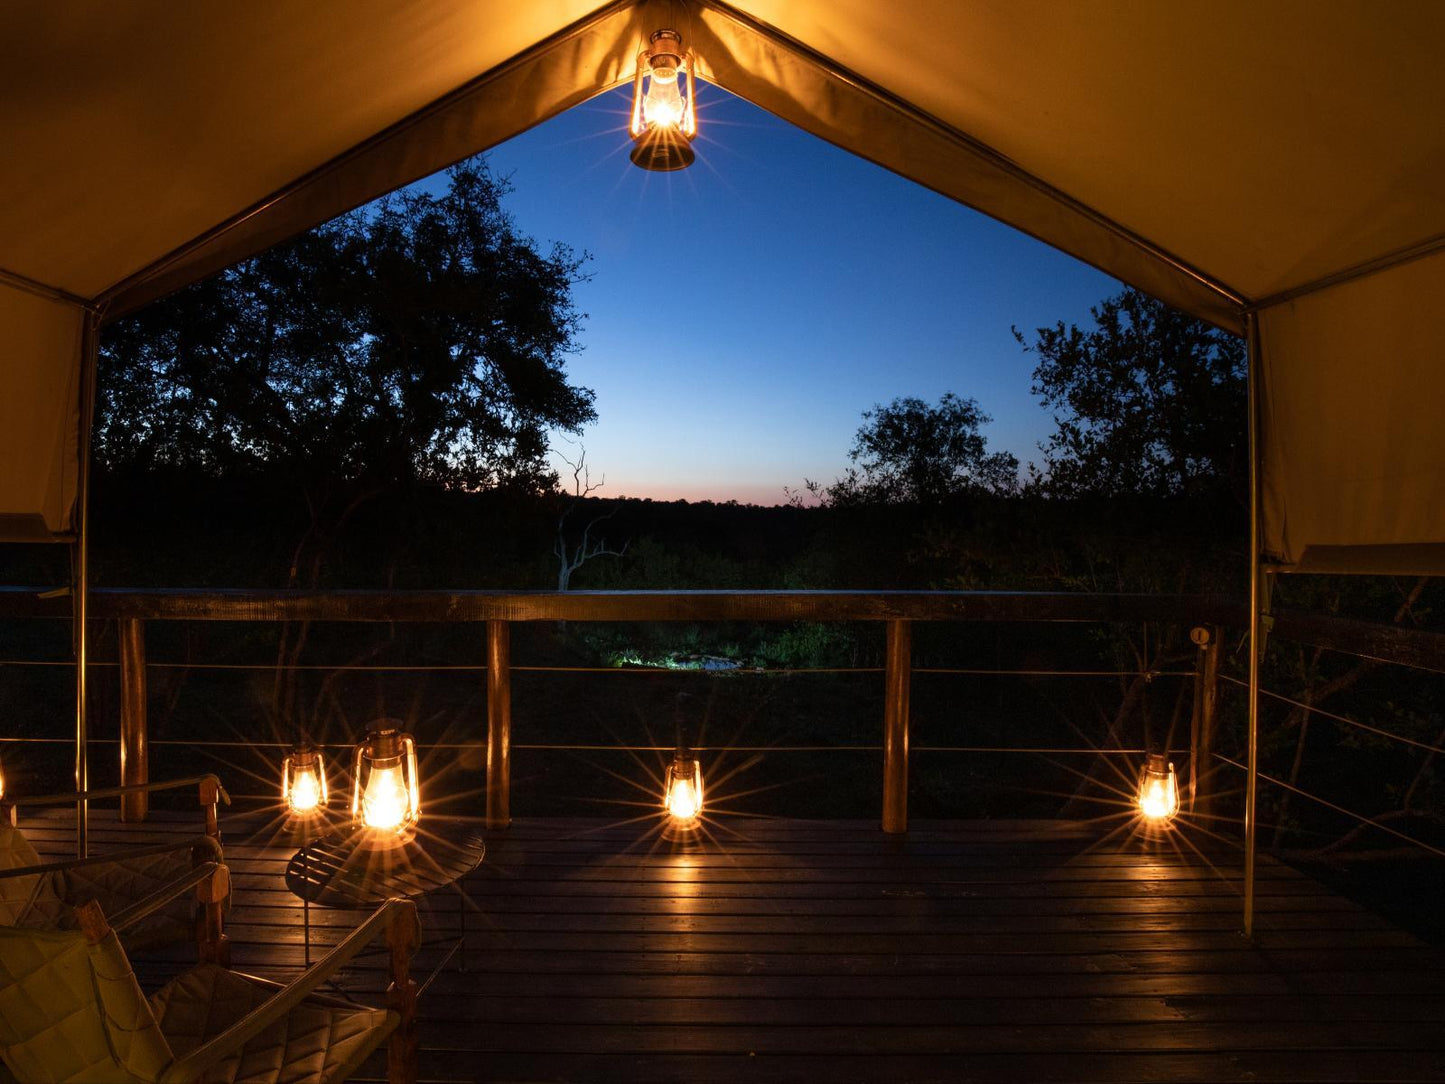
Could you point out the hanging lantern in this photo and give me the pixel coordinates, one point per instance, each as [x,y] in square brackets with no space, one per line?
[1158,790]
[303,782]
[682,792]
[385,798]
[664,119]
[2,779]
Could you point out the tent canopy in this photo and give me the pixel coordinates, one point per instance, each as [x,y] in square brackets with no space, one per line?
[1281,158]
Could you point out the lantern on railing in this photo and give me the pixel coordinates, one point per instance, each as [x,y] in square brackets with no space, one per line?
[1158,790]
[664,117]
[385,796]
[682,793]
[303,782]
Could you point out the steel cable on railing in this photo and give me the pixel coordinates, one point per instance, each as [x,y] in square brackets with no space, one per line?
[1337,718]
[1360,817]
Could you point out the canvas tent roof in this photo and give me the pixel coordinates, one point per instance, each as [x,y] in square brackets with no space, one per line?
[1283,157]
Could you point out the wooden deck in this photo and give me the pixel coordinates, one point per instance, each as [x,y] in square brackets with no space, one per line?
[825,951]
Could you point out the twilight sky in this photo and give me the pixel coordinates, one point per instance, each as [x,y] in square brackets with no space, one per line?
[744,312]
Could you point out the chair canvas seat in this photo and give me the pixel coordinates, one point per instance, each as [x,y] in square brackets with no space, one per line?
[47,900]
[24,897]
[316,1043]
[72,1012]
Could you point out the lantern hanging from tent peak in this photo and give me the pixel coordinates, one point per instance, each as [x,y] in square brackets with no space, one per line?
[1158,790]
[385,794]
[664,115]
[303,782]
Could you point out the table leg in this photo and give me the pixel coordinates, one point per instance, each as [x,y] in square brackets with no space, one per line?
[305,913]
[462,903]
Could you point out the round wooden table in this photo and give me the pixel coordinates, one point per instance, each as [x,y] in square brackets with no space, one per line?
[340,870]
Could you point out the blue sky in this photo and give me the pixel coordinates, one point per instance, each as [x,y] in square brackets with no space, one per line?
[743,313]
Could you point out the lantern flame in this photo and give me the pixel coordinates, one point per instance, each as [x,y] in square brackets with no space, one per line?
[1158,790]
[303,781]
[305,791]
[385,796]
[383,804]
[682,800]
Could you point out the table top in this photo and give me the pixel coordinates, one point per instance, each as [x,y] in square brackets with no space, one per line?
[339,870]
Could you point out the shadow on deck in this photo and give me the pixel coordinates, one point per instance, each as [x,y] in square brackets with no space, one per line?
[826,951]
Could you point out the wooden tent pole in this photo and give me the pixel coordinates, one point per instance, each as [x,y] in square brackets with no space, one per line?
[89,349]
[499,724]
[897,674]
[1251,787]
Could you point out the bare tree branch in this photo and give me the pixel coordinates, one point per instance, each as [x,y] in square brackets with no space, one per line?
[569,557]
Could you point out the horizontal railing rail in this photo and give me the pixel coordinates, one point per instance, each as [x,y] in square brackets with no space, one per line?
[176,604]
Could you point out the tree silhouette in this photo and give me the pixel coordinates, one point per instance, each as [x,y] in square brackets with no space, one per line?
[912,453]
[1149,401]
[418,339]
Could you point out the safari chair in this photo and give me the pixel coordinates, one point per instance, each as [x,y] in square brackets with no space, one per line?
[43,895]
[72,1010]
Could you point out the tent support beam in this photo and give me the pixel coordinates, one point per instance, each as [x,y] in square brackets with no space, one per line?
[1389,260]
[43,289]
[1251,785]
[89,350]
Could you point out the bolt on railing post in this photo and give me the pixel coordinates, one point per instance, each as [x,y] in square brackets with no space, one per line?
[897,671]
[134,744]
[1201,728]
[499,724]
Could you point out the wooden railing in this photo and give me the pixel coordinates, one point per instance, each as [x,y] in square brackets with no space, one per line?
[131,609]
[1206,615]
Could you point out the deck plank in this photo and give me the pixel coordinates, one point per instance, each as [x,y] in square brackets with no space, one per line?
[817,950]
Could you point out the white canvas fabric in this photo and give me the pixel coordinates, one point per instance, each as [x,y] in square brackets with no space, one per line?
[1216,153]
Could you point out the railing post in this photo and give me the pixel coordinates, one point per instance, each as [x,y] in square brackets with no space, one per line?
[401,995]
[897,671]
[212,944]
[1201,729]
[134,748]
[208,793]
[499,724]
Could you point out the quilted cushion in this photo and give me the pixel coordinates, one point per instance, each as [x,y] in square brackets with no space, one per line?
[20,896]
[71,1011]
[47,901]
[116,885]
[315,1043]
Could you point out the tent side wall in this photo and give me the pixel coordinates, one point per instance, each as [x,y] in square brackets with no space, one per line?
[1354,443]
[39,415]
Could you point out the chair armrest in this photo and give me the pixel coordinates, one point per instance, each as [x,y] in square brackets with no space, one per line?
[211,848]
[215,872]
[117,792]
[292,994]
